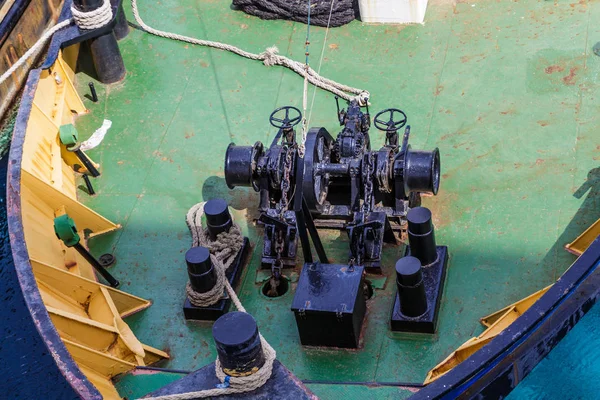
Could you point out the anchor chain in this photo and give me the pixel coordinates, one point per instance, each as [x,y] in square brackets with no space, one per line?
[285,186]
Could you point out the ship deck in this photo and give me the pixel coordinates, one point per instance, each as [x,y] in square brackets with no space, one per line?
[507,91]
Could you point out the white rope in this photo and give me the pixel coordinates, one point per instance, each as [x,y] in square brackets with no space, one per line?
[93,19]
[85,20]
[237,384]
[34,49]
[223,252]
[269,57]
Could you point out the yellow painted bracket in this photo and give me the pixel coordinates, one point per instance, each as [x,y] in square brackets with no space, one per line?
[495,324]
[77,290]
[579,245]
[89,319]
[516,309]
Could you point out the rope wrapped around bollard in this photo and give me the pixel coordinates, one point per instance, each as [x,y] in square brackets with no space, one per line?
[223,251]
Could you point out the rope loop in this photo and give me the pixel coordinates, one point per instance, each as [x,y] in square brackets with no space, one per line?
[93,19]
[223,251]
[229,384]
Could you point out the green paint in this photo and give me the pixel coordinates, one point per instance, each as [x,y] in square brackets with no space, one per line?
[68,135]
[65,230]
[507,91]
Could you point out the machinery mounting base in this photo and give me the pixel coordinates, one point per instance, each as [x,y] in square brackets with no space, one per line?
[212,313]
[434,276]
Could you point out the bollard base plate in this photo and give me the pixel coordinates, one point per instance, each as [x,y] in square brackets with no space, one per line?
[234,273]
[434,276]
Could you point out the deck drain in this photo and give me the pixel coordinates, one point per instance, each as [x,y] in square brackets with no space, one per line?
[368,289]
[279,289]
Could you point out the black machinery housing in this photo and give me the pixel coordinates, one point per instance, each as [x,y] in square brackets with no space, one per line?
[346,185]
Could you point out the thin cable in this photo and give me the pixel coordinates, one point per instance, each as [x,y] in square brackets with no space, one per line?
[312,103]
[302,147]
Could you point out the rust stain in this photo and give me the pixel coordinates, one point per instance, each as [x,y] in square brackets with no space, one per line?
[570,79]
[444,213]
[439,89]
[554,68]
[543,123]
[334,46]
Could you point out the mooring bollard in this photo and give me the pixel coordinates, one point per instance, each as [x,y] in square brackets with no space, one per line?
[201,271]
[421,235]
[238,344]
[411,288]
[106,55]
[218,219]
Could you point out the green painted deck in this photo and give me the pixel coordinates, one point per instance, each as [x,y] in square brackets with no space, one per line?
[507,90]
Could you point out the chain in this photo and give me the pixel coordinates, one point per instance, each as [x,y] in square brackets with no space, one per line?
[368,182]
[277,266]
[285,182]
[283,206]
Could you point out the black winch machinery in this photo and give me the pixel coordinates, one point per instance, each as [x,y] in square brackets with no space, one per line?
[339,183]
[346,184]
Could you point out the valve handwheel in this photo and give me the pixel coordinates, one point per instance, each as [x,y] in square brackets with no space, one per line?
[286,122]
[391,125]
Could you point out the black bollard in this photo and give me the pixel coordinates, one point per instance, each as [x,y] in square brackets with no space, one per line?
[218,219]
[421,236]
[106,55]
[121,28]
[238,344]
[201,271]
[411,288]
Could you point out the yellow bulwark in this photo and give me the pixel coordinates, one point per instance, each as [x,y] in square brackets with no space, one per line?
[579,245]
[88,315]
[495,323]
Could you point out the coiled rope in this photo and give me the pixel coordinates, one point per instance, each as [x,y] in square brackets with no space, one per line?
[269,58]
[84,20]
[236,384]
[223,251]
[93,19]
